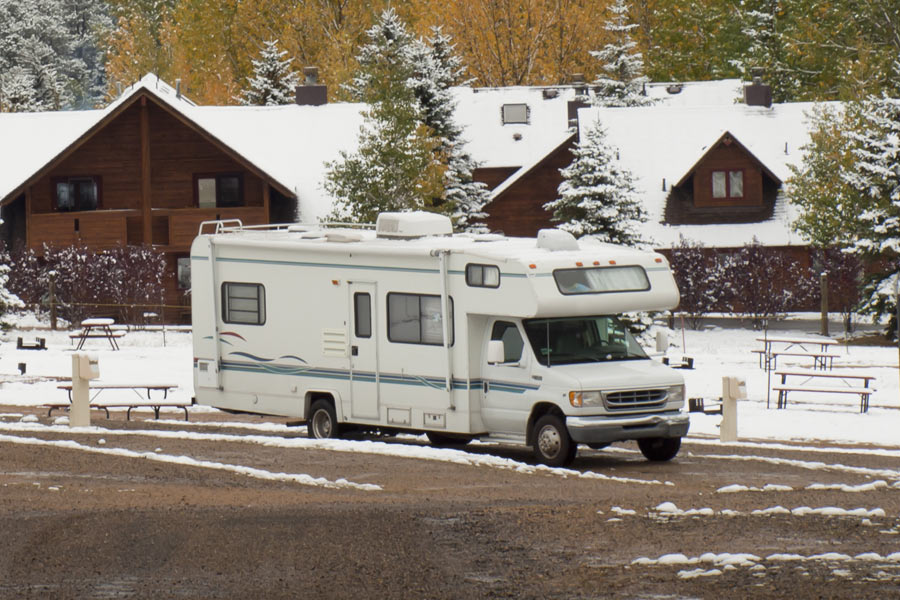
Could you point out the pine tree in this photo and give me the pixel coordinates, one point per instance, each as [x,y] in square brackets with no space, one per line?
[622,80]
[49,54]
[876,176]
[439,68]
[397,165]
[273,80]
[597,196]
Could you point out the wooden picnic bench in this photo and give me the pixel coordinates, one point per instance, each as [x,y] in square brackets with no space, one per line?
[818,349]
[97,328]
[852,383]
[156,404]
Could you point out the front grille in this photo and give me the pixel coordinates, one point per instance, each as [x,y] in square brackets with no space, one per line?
[634,398]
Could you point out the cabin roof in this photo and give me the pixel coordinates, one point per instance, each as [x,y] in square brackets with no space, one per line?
[660,145]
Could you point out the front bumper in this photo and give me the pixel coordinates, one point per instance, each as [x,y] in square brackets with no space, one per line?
[604,429]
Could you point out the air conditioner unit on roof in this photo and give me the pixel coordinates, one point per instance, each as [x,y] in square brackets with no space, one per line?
[412,225]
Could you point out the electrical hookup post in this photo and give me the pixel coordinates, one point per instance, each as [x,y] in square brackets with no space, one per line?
[84,368]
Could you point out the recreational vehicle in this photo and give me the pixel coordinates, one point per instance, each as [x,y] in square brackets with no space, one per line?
[409,327]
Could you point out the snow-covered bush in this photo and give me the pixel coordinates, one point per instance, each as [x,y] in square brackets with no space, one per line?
[701,277]
[765,283]
[124,281]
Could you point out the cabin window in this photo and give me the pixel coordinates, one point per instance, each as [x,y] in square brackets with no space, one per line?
[362,314]
[513,344]
[243,303]
[483,276]
[183,272]
[515,114]
[77,193]
[219,191]
[728,184]
[416,319]
[601,280]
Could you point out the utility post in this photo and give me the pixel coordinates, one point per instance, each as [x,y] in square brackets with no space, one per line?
[52,300]
[823,286]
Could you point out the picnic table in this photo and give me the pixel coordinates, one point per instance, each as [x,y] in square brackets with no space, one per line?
[811,381]
[154,403]
[97,327]
[816,348]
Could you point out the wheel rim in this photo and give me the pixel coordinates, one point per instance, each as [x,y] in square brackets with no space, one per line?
[549,441]
[322,424]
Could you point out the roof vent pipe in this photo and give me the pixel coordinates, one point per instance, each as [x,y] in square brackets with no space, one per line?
[178,88]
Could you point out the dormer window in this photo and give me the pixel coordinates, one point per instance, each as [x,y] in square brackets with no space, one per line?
[728,184]
[515,114]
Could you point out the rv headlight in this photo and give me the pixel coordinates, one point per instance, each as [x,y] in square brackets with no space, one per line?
[579,399]
[676,394]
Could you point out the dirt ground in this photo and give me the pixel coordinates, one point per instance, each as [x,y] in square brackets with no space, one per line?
[77,524]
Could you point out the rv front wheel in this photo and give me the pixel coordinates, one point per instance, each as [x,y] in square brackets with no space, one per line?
[659,449]
[322,421]
[551,442]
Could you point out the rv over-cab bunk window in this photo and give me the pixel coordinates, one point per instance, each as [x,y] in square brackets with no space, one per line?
[601,280]
[483,275]
[416,319]
[243,303]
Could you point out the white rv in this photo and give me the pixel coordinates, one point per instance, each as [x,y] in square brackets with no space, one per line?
[409,327]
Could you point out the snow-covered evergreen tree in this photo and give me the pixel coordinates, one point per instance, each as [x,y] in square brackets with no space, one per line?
[437,69]
[766,48]
[597,197]
[49,54]
[876,176]
[397,165]
[411,154]
[274,81]
[622,79]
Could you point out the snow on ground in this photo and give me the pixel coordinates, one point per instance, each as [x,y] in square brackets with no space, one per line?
[724,349]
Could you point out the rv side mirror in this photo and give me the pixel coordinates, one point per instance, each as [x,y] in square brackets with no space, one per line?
[495,352]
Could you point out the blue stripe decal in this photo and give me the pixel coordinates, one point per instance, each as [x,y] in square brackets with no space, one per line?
[269,368]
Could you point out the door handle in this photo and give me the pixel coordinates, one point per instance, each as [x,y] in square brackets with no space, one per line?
[354,350]
[485,387]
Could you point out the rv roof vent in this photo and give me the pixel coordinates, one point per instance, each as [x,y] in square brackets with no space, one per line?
[556,239]
[343,236]
[412,225]
[299,228]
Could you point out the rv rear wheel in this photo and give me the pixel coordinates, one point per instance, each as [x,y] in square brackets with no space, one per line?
[659,449]
[322,422]
[551,442]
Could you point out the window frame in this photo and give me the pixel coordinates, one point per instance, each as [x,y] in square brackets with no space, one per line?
[356,329]
[728,193]
[70,179]
[218,177]
[503,115]
[440,344]
[509,325]
[260,298]
[179,269]
[472,266]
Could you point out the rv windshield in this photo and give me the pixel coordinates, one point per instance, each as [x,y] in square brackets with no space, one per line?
[570,340]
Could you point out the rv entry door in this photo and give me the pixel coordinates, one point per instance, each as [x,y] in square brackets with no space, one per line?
[504,407]
[364,378]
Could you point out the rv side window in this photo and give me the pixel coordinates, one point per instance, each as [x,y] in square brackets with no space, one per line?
[509,334]
[362,314]
[416,319]
[243,303]
[483,276]
[600,280]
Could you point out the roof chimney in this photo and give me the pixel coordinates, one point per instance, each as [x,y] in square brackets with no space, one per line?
[311,93]
[757,93]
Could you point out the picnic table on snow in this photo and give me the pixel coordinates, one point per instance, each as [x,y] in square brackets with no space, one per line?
[847,383]
[99,328]
[156,404]
[816,348]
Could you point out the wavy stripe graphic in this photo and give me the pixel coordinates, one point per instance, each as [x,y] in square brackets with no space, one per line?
[235,334]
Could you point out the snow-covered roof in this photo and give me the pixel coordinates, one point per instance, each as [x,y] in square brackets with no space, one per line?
[660,144]
[721,92]
[290,144]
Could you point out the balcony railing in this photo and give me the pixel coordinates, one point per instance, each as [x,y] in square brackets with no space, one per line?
[173,230]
